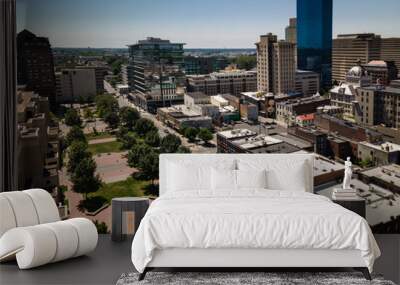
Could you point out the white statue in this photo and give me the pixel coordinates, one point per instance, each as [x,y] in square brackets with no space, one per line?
[347,174]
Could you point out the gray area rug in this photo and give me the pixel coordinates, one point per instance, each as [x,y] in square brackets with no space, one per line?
[243,278]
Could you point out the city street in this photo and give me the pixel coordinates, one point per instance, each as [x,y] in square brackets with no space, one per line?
[165,130]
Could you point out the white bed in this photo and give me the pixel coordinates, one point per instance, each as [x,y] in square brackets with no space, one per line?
[251,226]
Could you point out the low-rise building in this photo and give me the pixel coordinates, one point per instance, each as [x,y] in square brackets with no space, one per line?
[249,112]
[287,111]
[330,110]
[387,176]
[318,139]
[379,154]
[224,82]
[246,141]
[180,116]
[122,89]
[378,104]
[305,120]
[152,100]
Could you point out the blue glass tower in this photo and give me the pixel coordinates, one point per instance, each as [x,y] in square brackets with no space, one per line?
[314,37]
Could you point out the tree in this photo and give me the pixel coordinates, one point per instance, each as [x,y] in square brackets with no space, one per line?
[87,113]
[152,138]
[112,120]
[148,165]
[72,118]
[128,140]
[128,117]
[205,135]
[84,178]
[76,152]
[246,61]
[106,104]
[143,126]
[191,134]
[183,149]
[136,153]
[75,134]
[170,144]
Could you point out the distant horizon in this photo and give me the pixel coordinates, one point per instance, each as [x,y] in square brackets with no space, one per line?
[207,24]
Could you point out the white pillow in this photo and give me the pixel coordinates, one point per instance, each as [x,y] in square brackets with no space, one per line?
[183,177]
[282,174]
[251,178]
[190,175]
[223,179]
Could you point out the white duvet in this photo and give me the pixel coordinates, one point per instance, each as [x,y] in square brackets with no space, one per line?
[250,219]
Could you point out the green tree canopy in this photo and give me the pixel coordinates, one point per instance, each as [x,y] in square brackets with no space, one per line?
[128,117]
[76,152]
[138,151]
[84,178]
[148,165]
[191,134]
[246,61]
[152,138]
[72,118]
[75,134]
[183,149]
[128,140]
[143,126]
[106,104]
[205,135]
[112,120]
[170,144]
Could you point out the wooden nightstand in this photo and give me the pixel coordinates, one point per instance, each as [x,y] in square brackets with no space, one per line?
[357,205]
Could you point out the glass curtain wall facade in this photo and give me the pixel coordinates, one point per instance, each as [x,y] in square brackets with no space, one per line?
[155,60]
[314,37]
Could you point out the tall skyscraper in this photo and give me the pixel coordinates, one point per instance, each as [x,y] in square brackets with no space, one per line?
[314,37]
[291,31]
[35,65]
[276,65]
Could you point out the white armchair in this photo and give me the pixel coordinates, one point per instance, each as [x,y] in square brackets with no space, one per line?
[31,230]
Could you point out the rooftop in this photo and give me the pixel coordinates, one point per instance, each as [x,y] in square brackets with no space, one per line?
[292,140]
[197,95]
[236,134]
[388,173]
[386,147]
[257,141]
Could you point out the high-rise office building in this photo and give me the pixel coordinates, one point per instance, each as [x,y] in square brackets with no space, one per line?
[291,31]
[351,49]
[314,37]
[35,67]
[276,65]
[154,59]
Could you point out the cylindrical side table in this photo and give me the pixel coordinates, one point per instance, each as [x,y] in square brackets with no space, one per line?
[127,212]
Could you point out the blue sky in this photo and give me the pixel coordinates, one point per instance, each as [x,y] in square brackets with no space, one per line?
[199,23]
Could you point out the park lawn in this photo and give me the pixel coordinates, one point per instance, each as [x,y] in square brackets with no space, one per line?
[127,188]
[104,135]
[114,146]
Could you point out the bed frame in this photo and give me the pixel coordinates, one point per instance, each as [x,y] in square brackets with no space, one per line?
[260,259]
[249,259]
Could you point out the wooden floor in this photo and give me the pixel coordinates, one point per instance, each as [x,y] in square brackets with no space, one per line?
[110,260]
